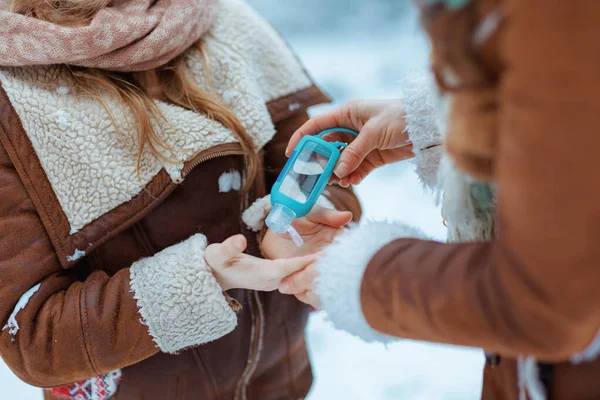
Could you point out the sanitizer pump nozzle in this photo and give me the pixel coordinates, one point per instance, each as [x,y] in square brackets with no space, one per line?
[303,179]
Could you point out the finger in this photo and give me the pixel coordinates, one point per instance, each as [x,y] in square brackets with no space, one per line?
[221,253]
[339,137]
[353,155]
[310,298]
[299,282]
[330,137]
[289,266]
[344,182]
[339,118]
[329,217]
[362,172]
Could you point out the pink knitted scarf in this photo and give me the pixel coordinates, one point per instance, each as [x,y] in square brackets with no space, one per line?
[129,35]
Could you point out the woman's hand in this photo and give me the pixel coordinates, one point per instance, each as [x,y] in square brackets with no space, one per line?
[303,285]
[236,270]
[382,140]
[318,229]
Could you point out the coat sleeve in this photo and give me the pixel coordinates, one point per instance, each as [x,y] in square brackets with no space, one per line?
[534,289]
[57,329]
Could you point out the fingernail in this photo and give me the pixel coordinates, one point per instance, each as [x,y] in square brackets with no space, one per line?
[287,153]
[238,242]
[341,170]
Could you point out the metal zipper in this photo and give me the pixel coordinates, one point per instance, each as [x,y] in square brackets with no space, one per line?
[256,308]
[256,344]
[187,169]
[258,314]
[256,338]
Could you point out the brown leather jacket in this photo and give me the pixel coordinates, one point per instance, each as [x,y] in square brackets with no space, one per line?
[520,80]
[525,115]
[84,320]
[97,283]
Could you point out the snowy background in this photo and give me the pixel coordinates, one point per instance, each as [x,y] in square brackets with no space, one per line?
[362,49]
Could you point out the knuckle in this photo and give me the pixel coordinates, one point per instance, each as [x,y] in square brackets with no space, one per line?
[351,104]
[352,153]
[294,284]
[299,280]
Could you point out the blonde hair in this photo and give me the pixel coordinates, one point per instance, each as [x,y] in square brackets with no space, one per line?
[137,91]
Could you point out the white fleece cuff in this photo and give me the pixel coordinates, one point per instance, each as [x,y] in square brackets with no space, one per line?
[427,165]
[254,217]
[419,103]
[419,94]
[342,268]
[179,299]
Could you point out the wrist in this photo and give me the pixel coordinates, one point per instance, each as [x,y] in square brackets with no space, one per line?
[225,284]
[221,280]
[261,236]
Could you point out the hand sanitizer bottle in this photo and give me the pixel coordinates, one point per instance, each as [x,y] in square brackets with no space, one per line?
[302,181]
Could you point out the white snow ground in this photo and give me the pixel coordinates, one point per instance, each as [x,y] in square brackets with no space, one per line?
[353,49]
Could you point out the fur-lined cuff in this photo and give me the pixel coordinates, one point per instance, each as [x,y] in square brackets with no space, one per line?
[427,165]
[341,271]
[254,217]
[419,103]
[179,299]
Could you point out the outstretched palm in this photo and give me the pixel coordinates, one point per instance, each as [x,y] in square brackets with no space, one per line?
[318,229]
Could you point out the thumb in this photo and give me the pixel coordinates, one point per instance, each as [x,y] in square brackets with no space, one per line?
[353,155]
[329,217]
[220,253]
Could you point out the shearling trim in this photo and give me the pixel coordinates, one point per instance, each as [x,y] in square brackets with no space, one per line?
[427,164]
[419,103]
[254,216]
[255,50]
[465,223]
[341,271]
[420,98]
[92,168]
[590,353]
[179,299]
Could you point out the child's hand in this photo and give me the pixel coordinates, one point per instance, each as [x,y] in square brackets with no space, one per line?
[236,270]
[303,285]
[318,229]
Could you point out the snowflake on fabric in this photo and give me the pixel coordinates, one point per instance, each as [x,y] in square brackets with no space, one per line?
[102,387]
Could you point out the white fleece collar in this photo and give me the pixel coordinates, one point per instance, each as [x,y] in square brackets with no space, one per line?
[92,167]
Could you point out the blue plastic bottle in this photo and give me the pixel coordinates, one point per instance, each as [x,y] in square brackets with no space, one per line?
[302,181]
